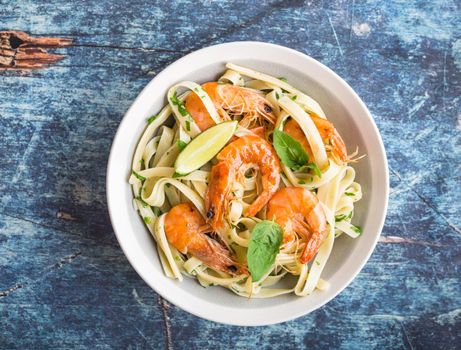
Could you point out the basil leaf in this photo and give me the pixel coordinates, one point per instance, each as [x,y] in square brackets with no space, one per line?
[290,151]
[312,166]
[263,248]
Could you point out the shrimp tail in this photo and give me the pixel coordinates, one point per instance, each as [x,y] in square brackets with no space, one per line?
[215,255]
[311,248]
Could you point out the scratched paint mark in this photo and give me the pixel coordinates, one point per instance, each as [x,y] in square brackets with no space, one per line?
[335,35]
[137,297]
[419,103]
[449,318]
[456,53]
[361,29]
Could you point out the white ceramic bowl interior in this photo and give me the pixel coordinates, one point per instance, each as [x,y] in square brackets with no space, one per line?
[342,106]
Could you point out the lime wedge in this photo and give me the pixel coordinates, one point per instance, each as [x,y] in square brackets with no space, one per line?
[204,147]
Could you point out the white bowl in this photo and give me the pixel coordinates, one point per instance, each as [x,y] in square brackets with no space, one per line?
[342,106]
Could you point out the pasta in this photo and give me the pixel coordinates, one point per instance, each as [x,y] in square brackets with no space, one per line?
[267,109]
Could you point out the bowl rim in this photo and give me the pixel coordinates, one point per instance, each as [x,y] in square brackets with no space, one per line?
[242,320]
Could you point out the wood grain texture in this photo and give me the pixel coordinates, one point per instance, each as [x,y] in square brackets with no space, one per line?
[64,281]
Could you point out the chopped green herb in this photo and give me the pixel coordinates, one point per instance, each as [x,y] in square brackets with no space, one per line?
[144,204]
[302,182]
[187,125]
[356,229]
[177,102]
[141,162]
[181,145]
[147,219]
[152,118]
[139,177]
[317,263]
[285,80]
[350,194]
[343,217]
[176,175]
[294,97]
[157,211]
[277,96]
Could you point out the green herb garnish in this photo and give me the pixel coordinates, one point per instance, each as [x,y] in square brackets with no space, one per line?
[290,151]
[157,211]
[356,229]
[152,118]
[139,177]
[342,217]
[263,248]
[177,102]
[285,80]
[144,204]
[350,194]
[147,219]
[311,166]
[294,97]
[181,145]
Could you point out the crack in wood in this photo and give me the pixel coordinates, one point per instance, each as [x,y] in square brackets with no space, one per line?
[66,216]
[18,50]
[7,292]
[400,240]
[143,49]
[166,322]
[67,259]
[63,261]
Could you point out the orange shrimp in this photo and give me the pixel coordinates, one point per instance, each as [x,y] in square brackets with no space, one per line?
[298,211]
[231,99]
[249,151]
[186,230]
[330,136]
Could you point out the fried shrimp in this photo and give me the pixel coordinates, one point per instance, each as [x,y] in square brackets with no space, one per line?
[334,144]
[187,231]
[233,100]
[299,212]
[234,160]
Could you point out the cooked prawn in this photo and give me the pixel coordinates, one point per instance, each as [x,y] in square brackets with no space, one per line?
[298,211]
[234,160]
[186,230]
[231,99]
[334,144]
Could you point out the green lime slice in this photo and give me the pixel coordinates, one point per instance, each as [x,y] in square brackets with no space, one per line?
[204,147]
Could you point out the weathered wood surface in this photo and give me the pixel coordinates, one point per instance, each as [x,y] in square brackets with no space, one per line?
[64,281]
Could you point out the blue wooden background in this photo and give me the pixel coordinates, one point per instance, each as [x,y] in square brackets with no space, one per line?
[64,281]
